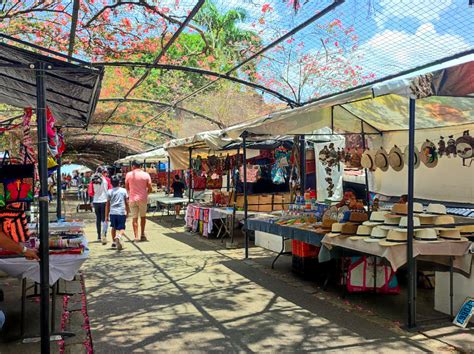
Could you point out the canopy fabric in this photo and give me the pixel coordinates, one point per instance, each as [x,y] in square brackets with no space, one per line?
[212,139]
[153,156]
[381,107]
[71,90]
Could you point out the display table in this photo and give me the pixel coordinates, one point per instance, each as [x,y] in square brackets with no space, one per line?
[440,252]
[166,202]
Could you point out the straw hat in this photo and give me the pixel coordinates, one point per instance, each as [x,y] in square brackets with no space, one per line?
[404,222]
[426,219]
[416,157]
[362,231]
[395,237]
[444,220]
[428,154]
[392,219]
[368,160]
[376,235]
[358,217]
[451,234]
[327,223]
[400,209]
[417,207]
[434,209]
[349,229]
[376,218]
[336,229]
[467,230]
[426,235]
[381,159]
[395,158]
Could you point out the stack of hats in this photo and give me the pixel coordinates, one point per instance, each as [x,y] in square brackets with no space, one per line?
[432,212]
[447,230]
[377,234]
[350,224]
[399,234]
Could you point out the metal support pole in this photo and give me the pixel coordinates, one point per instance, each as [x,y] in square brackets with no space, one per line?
[303,164]
[244,162]
[190,174]
[43,205]
[235,181]
[366,171]
[59,191]
[169,176]
[411,177]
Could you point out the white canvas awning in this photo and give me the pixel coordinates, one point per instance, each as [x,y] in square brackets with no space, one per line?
[153,156]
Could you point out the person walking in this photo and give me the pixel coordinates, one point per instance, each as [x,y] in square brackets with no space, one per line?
[117,211]
[178,190]
[138,185]
[98,188]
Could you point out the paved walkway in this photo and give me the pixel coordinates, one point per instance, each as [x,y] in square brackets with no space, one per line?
[178,293]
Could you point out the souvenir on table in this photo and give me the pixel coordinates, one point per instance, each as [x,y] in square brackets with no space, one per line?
[336,229]
[349,229]
[467,230]
[395,159]
[363,231]
[381,159]
[465,147]
[376,218]
[394,237]
[416,157]
[428,154]
[434,209]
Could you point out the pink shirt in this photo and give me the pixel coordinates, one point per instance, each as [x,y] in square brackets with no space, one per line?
[137,181]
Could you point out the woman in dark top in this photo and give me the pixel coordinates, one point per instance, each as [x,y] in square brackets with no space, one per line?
[178,190]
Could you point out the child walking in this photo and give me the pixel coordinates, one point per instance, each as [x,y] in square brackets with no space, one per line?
[117,211]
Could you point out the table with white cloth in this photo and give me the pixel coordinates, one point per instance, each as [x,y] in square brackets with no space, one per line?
[61,266]
[202,218]
[442,253]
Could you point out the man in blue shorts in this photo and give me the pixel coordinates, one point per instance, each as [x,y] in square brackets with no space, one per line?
[117,210]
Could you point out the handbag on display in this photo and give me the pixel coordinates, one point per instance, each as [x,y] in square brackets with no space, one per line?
[16,183]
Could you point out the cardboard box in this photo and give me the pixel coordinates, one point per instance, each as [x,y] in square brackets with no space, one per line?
[265,203]
[253,202]
[278,203]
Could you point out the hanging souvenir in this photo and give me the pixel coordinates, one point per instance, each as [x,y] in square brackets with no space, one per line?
[278,175]
[451,147]
[441,147]
[416,157]
[428,154]
[17,183]
[395,159]
[381,159]
[324,155]
[368,160]
[465,147]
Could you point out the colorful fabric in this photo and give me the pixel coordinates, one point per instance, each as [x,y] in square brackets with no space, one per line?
[14,225]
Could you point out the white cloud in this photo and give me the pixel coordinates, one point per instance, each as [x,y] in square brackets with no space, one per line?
[422,10]
[391,51]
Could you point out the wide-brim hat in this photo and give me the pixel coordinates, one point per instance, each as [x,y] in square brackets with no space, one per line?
[416,157]
[349,229]
[395,237]
[336,229]
[428,154]
[381,159]
[362,232]
[377,234]
[426,219]
[376,218]
[392,220]
[467,230]
[426,235]
[358,217]
[435,209]
[400,209]
[443,220]
[404,222]
[368,160]
[395,159]
[453,234]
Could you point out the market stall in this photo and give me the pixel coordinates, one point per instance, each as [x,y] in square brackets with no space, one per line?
[436,105]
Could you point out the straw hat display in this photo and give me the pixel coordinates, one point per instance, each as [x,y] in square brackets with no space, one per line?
[376,218]
[404,222]
[358,217]
[416,157]
[395,159]
[467,230]
[362,231]
[444,220]
[381,159]
[368,160]
[426,235]
[428,154]
[336,229]
[377,234]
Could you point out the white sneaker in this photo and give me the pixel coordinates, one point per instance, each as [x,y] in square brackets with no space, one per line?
[104,240]
[119,242]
